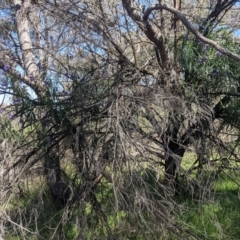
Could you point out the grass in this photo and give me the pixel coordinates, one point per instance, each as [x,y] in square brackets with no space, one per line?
[215,217]
[210,211]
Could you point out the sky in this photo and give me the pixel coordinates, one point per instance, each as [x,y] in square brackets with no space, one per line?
[3,14]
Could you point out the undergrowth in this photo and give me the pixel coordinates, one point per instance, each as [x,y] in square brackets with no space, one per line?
[214,215]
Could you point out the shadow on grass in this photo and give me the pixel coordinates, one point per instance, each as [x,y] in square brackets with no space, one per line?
[215,216]
[210,211]
[34,215]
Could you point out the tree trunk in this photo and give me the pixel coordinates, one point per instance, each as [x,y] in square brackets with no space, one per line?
[60,191]
[30,66]
[172,165]
[58,188]
[24,37]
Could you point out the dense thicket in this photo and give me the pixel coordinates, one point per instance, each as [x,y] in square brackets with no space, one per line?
[102,100]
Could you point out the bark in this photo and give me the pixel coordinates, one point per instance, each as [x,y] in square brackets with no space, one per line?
[59,189]
[176,28]
[192,29]
[151,31]
[172,165]
[24,37]
[22,23]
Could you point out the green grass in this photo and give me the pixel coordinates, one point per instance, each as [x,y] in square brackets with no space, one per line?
[216,217]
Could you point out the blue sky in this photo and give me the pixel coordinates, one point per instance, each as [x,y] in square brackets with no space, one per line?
[142,2]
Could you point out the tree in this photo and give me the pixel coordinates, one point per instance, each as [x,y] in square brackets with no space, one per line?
[120,92]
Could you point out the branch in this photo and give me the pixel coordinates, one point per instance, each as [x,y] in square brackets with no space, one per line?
[35,85]
[219,108]
[151,31]
[191,28]
[218,8]
[224,93]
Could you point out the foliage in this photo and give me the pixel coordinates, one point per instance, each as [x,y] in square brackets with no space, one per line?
[110,98]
